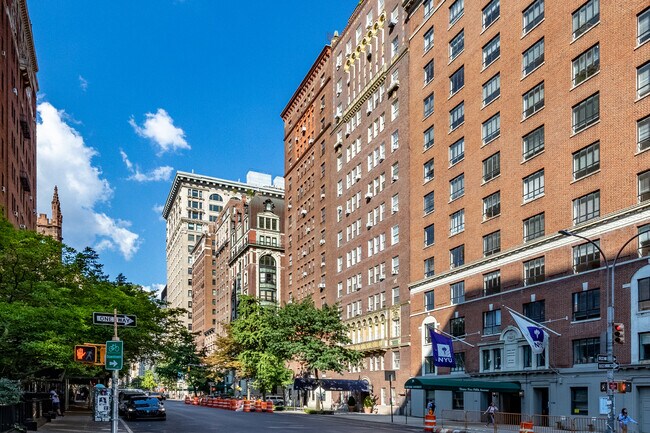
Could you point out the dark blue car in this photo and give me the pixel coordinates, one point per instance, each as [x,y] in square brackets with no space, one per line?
[145,407]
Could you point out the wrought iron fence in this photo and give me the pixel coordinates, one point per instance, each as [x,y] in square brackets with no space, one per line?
[511,421]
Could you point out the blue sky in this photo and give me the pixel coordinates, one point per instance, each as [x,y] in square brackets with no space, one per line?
[132,91]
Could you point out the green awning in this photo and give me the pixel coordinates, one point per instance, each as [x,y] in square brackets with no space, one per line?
[429,383]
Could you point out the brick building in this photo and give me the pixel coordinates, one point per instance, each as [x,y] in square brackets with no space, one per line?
[52,227]
[18,87]
[527,119]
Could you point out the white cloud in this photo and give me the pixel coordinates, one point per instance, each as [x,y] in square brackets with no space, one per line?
[160,128]
[157,174]
[158,208]
[83,83]
[154,288]
[66,161]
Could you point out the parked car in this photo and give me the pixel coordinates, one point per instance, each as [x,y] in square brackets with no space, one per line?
[277,400]
[145,407]
[124,396]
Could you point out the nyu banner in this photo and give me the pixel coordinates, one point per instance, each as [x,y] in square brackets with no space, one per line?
[443,350]
[536,336]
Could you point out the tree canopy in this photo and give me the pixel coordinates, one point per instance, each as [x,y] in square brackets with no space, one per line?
[48,293]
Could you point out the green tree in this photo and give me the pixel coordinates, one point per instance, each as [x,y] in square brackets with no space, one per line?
[149,381]
[180,356]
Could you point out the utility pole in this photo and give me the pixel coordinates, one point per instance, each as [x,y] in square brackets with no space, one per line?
[115,417]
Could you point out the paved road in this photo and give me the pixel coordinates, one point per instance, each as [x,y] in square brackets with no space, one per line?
[187,418]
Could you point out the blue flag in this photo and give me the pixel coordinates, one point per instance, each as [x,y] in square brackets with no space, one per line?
[443,350]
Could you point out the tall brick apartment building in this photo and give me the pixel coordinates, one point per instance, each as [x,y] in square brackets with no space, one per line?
[465,135]
[528,118]
[18,87]
[347,189]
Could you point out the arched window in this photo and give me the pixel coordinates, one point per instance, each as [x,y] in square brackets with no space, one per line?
[268,279]
[216,197]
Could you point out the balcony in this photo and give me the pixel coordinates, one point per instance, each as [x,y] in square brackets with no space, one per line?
[24,181]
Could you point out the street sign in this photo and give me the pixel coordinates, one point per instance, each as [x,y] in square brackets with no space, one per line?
[114,355]
[603,358]
[608,365]
[109,319]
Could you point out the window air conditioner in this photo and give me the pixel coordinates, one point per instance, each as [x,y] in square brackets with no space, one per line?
[322,242]
[304,211]
[395,271]
[23,226]
[322,196]
[368,195]
[395,178]
[382,277]
[321,286]
[369,225]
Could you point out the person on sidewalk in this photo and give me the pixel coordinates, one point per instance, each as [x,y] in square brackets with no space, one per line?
[56,402]
[624,420]
[491,410]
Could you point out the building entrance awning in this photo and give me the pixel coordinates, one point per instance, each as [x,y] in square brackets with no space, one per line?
[430,383]
[331,384]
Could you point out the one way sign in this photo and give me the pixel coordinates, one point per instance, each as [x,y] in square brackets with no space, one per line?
[109,319]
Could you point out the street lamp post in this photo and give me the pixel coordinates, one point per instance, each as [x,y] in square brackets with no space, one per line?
[610,285]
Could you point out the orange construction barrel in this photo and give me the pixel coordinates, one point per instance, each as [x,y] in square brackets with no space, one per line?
[195,401]
[429,423]
[247,405]
[526,427]
[269,406]
[187,399]
[263,404]
[233,404]
[258,405]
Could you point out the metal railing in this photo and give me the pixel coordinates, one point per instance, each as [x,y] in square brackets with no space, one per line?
[511,421]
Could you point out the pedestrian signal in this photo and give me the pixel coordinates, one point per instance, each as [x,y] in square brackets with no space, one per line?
[86,353]
[619,333]
[624,387]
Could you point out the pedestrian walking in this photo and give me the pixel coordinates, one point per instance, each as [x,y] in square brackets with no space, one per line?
[624,419]
[56,402]
[431,407]
[491,410]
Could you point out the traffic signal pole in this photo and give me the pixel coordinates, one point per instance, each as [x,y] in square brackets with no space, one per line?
[116,416]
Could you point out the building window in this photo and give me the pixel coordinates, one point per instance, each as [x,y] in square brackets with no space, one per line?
[534,227]
[428,138]
[459,357]
[586,207]
[491,13]
[586,305]
[428,203]
[586,113]
[492,205]
[428,72]
[491,322]
[643,26]
[394,235]
[534,271]
[533,15]
[428,171]
[457,326]
[586,161]
[429,366]
[643,80]
[491,167]
[456,116]
[533,143]
[586,350]
[457,187]
[428,7]
[643,285]
[491,243]
[456,11]
[533,100]
[428,267]
[533,185]
[457,222]
[394,110]
[458,295]
[491,51]
[428,236]
[457,80]
[396,360]
[428,105]
[395,295]
[457,256]
[643,133]
[491,128]
[644,346]
[533,57]
[428,300]
[457,151]
[644,185]
[457,45]
[644,240]
[491,283]
[491,89]
[394,46]
[586,17]
[585,257]
[428,39]
[586,64]
[535,311]
[580,401]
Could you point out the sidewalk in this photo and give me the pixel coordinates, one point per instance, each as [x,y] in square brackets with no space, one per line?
[78,422]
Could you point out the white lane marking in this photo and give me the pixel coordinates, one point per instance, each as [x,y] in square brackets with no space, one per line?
[126,426]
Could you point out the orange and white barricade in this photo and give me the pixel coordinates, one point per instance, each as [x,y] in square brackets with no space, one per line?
[269,406]
[247,405]
[526,427]
[429,423]
[258,405]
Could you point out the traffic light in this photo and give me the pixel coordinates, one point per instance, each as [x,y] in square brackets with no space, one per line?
[86,353]
[624,387]
[619,333]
